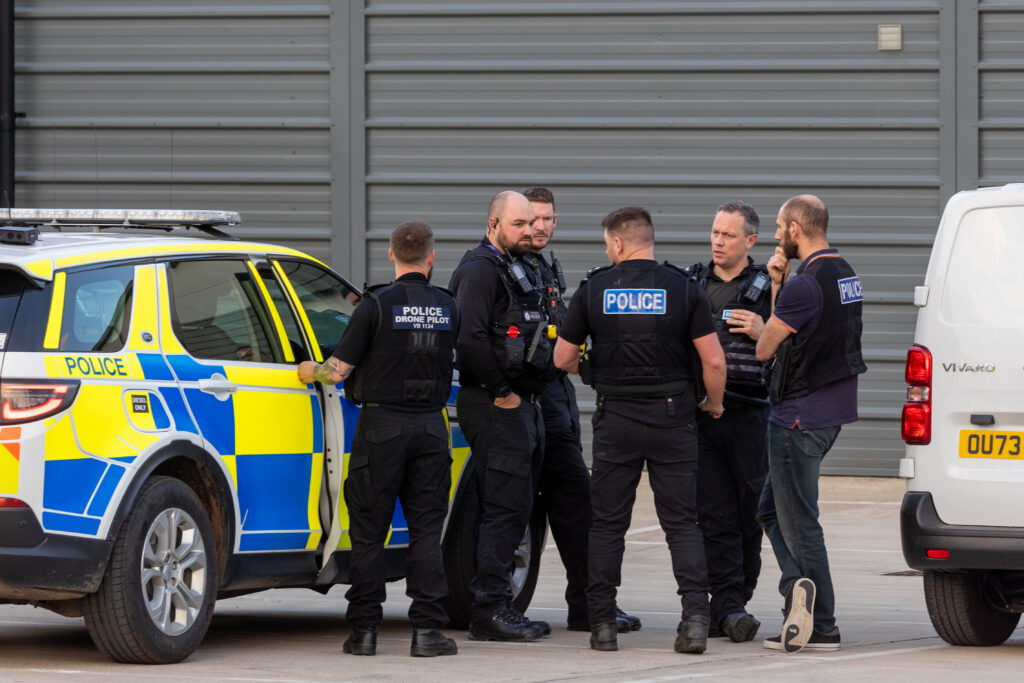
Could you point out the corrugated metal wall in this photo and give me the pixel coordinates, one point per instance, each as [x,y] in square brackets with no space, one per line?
[677,106]
[185,104]
[328,123]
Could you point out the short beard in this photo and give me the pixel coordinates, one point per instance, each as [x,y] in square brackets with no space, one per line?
[789,248]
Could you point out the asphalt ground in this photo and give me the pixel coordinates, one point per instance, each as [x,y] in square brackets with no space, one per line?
[295,635]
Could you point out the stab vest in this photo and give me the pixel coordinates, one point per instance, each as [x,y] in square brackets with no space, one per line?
[410,359]
[552,282]
[640,346]
[744,373]
[519,336]
[831,351]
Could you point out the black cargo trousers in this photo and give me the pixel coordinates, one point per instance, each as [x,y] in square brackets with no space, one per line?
[732,463]
[629,433]
[507,448]
[404,456]
[564,489]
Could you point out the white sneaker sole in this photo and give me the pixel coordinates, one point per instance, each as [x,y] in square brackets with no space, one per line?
[799,624]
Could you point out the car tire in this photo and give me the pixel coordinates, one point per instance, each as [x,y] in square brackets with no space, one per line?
[156,599]
[460,555]
[962,611]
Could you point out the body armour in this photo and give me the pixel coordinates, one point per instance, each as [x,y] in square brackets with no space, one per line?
[519,336]
[744,373]
[551,280]
[410,361]
[831,351]
[639,330]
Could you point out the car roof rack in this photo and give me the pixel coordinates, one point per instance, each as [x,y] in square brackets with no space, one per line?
[101,219]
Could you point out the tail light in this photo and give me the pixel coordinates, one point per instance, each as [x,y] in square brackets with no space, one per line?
[28,400]
[12,503]
[916,421]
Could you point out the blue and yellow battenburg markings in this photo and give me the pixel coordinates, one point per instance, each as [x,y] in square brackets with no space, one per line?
[634,301]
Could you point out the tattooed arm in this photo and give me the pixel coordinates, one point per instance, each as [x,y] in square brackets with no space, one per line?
[332,371]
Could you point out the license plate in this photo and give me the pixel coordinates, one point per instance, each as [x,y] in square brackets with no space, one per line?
[988,444]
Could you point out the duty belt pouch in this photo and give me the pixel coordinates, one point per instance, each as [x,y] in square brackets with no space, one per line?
[515,352]
[540,349]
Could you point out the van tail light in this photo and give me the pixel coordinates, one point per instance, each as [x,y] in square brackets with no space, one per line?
[12,503]
[916,421]
[29,400]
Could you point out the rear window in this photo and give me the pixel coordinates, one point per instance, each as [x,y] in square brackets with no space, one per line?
[11,287]
[984,277]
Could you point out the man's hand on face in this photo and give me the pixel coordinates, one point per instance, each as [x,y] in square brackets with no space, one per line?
[778,266]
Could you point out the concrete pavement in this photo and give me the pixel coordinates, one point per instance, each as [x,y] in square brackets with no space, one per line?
[295,635]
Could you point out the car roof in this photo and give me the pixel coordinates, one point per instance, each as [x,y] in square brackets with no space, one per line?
[56,250]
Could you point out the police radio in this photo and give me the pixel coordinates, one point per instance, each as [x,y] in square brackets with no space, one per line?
[559,275]
[758,285]
[515,268]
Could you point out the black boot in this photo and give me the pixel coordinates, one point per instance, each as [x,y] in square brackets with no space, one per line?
[363,641]
[626,622]
[429,642]
[507,625]
[604,637]
[693,635]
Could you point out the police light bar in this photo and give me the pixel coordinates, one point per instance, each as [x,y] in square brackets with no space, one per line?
[119,217]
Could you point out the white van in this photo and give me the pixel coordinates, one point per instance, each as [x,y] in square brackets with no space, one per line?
[962,520]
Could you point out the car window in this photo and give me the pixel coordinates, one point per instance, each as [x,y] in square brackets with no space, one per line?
[284,309]
[97,309]
[219,314]
[327,300]
[983,278]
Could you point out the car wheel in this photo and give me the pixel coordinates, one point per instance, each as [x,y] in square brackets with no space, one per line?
[156,599]
[962,611]
[460,556]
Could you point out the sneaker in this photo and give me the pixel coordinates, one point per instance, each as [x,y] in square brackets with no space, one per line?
[799,624]
[823,642]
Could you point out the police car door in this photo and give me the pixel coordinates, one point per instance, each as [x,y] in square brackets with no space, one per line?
[238,375]
[324,303]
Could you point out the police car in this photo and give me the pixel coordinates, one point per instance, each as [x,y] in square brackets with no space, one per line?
[962,519]
[157,450]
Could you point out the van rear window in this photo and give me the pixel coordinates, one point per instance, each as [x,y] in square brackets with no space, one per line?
[984,278]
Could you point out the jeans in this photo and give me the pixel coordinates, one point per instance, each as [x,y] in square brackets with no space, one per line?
[788,511]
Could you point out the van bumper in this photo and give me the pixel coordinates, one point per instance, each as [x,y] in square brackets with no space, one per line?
[38,566]
[970,547]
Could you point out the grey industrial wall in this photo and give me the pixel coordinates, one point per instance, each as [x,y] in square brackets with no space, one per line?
[327,123]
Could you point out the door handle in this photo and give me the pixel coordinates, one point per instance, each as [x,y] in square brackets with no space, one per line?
[219,386]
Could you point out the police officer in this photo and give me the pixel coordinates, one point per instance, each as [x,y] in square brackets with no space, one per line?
[731,457]
[396,360]
[645,322]
[504,354]
[564,488]
[814,333]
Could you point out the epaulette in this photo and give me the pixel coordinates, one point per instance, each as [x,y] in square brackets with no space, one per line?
[594,271]
[682,271]
[446,291]
[697,270]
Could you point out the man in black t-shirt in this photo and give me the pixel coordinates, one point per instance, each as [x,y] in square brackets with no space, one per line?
[649,325]
[396,359]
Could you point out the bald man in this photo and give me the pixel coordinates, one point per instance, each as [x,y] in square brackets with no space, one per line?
[503,357]
[814,335]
